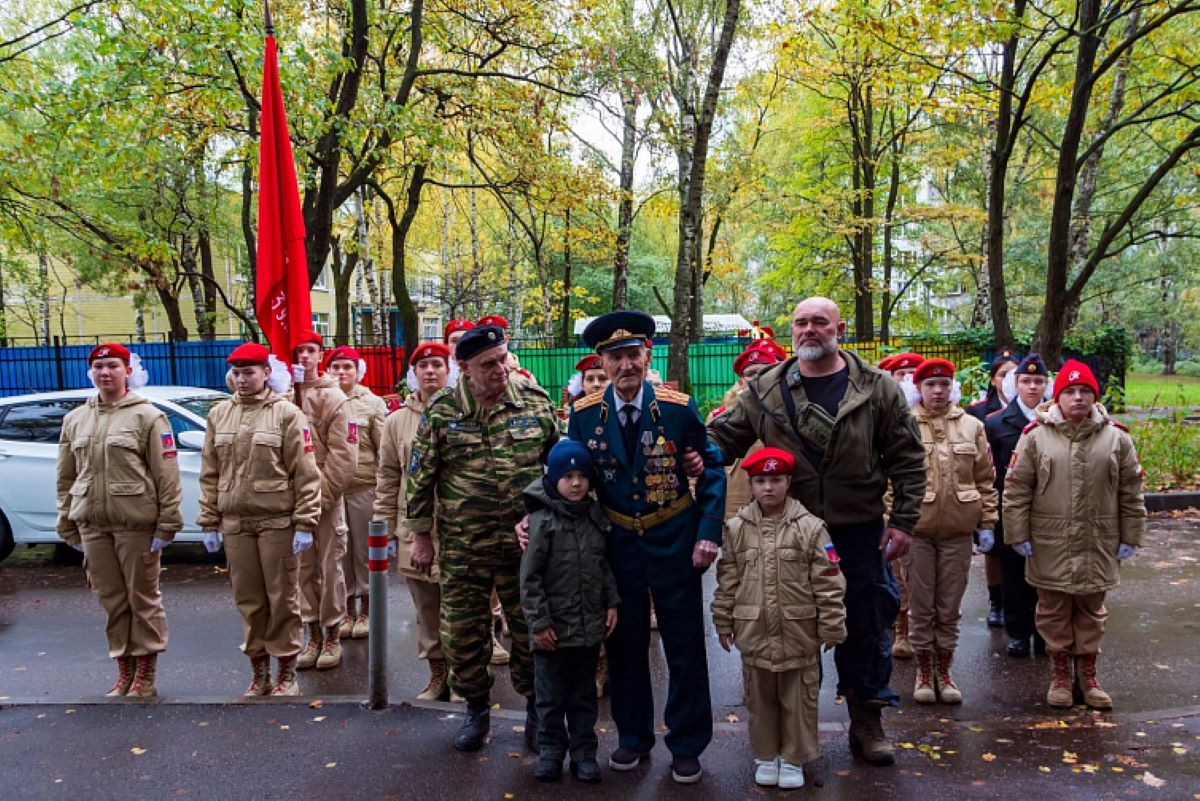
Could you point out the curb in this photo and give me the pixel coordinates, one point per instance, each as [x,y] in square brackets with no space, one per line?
[1171,501]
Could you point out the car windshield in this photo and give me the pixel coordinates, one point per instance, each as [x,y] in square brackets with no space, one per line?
[199,405]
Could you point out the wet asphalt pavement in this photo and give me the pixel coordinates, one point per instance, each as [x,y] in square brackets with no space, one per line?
[59,739]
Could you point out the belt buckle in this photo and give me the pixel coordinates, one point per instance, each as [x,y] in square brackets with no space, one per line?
[638,526]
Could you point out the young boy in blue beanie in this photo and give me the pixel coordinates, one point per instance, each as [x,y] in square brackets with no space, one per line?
[569,597]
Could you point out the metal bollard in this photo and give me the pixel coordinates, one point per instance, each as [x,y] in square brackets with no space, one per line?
[377,566]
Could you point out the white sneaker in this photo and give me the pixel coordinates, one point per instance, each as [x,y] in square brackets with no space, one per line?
[766,772]
[790,776]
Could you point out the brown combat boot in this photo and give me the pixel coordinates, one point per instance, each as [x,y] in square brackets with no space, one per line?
[902,648]
[308,657]
[923,692]
[1093,694]
[125,669]
[362,624]
[143,677]
[438,688]
[346,630]
[1059,695]
[948,692]
[260,669]
[866,735]
[287,677]
[331,650]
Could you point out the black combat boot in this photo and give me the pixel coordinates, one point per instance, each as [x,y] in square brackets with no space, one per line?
[531,726]
[475,728]
[995,615]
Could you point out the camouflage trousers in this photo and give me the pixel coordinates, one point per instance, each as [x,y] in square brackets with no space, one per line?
[466,626]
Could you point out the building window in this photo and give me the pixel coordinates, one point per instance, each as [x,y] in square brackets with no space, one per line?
[430,329]
[322,282]
[320,322]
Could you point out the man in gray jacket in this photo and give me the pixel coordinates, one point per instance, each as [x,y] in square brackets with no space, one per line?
[851,432]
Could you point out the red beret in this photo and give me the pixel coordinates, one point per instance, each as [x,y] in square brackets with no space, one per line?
[310,336]
[249,353]
[1075,372]
[769,462]
[109,350]
[493,319]
[456,325]
[433,349]
[342,352]
[885,364]
[934,368]
[905,361]
[756,353]
[589,362]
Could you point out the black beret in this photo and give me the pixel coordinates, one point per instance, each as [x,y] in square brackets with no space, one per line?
[618,329]
[1032,364]
[477,340]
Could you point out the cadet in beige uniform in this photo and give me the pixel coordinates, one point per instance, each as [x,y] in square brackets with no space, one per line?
[118,503]
[322,582]
[261,493]
[431,364]
[359,501]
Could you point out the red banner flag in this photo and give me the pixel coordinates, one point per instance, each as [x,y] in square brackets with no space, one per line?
[283,306]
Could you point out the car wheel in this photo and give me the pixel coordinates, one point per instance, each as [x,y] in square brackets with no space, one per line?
[66,555]
[6,539]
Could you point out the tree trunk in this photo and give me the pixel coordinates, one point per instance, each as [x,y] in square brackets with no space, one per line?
[1170,326]
[365,264]
[44,294]
[187,260]
[564,336]
[620,298]
[692,199]
[204,248]
[342,267]
[249,236]
[893,195]
[409,322]
[1055,311]
[170,303]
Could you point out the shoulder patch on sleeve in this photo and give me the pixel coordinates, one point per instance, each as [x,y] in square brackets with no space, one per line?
[671,396]
[1032,425]
[587,401]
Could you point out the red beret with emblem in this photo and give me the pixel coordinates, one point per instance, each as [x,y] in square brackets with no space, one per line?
[430,350]
[769,462]
[934,368]
[109,350]
[758,352]
[249,353]
[310,337]
[1075,373]
[342,352]
[905,361]
[589,362]
[493,319]
[885,364]
[456,325]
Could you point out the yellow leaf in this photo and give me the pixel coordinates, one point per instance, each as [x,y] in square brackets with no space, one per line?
[732,718]
[331,764]
[1117,769]
[989,757]
[318,718]
[518,729]
[1178,751]
[1004,740]
[515,754]
[508,795]
[317,704]
[1069,757]
[137,751]
[906,745]
[285,727]
[976,729]
[1043,769]
[1150,780]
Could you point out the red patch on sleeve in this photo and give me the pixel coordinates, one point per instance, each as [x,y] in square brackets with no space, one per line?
[352,432]
[308,443]
[168,446]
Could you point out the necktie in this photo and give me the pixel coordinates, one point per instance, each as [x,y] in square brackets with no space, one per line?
[629,429]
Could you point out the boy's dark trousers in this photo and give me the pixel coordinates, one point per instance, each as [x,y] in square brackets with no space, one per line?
[564,682]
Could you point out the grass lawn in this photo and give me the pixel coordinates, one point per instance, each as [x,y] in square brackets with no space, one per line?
[1146,391]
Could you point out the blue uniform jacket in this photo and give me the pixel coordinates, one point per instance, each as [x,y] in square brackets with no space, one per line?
[650,478]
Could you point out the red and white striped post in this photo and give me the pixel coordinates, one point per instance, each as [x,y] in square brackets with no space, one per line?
[377,566]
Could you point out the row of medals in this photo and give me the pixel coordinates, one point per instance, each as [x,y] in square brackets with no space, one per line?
[662,483]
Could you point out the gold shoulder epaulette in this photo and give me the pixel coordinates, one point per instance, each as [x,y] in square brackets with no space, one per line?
[587,401]
[671,396]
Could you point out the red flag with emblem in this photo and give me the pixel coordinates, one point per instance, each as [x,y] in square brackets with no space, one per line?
[283,306]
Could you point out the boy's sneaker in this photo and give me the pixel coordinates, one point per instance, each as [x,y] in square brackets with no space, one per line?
[766,772]
[686,770]
[548,769]
[790,776]
[586,771]
[625,759]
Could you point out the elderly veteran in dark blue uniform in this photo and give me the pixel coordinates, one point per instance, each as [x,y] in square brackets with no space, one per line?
[662,540]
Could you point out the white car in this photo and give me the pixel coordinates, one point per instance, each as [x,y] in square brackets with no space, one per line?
[29,431]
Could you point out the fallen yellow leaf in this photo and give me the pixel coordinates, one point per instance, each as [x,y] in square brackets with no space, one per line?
[1043,769]
[508,795]
[1117,769]
[1069,757]
[976,729]
[732,718]
[1150,780]
[331,764]
[317,704]
[906,745]
[1178,751]
[989,757]
[285,727]
[515,754]
[1004,740]
[318,718]
[137,751]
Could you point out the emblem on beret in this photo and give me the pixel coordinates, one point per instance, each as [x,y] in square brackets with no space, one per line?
[1074,376]
[1032,368]
[771,466]
[102,352]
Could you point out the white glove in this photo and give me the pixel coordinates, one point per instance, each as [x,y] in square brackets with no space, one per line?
[212,541]
[78,546]
[301,541]
[1024,548]
[157,545]
[987,538]
[298,373]
[1125,550]
[393,549]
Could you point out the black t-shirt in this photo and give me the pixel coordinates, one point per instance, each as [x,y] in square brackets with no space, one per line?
[827,392]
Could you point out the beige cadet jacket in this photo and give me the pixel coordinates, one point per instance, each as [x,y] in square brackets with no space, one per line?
[118,468]
[1075,493]
[391,485]
[329,411]
[369,413]
[778,593]
[258,467]
[960,495]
